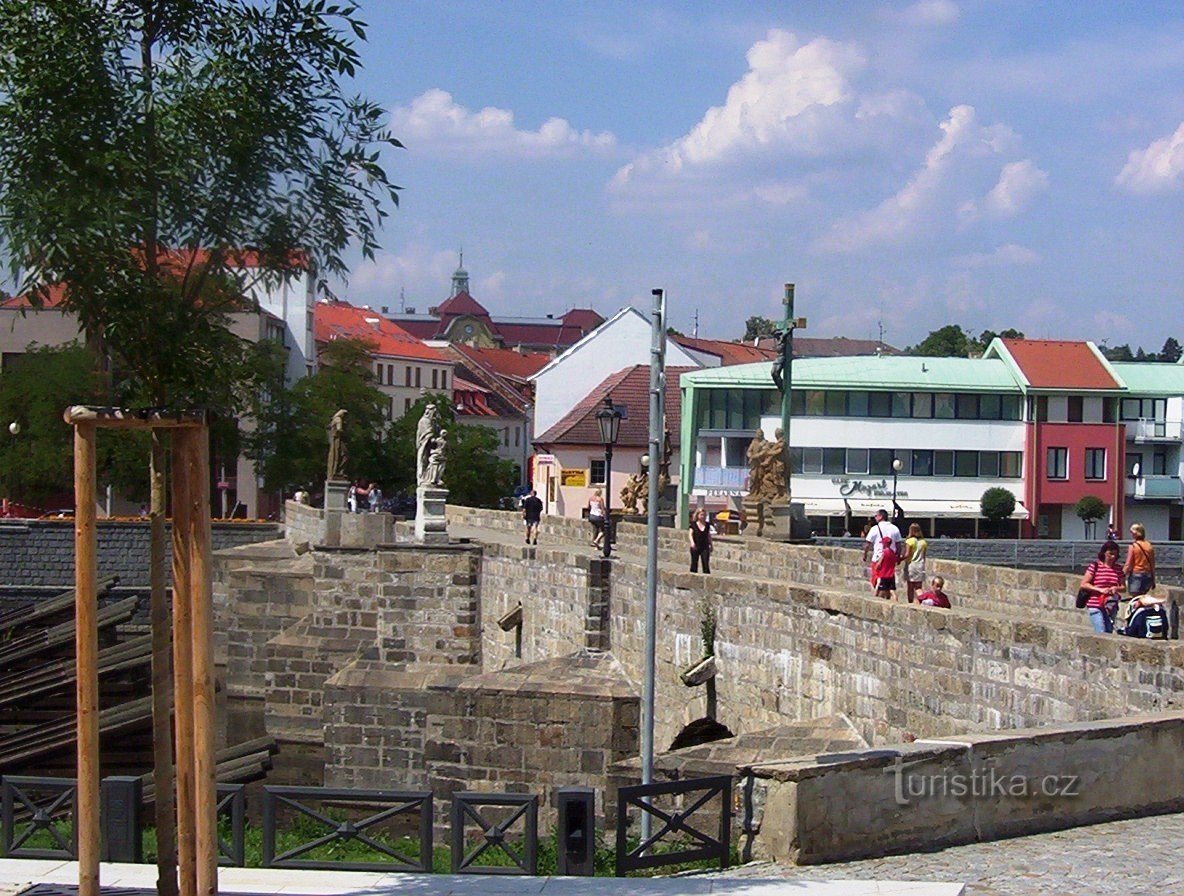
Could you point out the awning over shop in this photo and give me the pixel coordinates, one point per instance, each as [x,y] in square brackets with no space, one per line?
[920,509]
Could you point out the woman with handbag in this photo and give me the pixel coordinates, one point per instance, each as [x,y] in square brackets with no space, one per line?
[1140,562]
[1101,586]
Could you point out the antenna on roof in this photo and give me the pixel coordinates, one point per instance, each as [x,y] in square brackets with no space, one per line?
[695,332]
[402,301]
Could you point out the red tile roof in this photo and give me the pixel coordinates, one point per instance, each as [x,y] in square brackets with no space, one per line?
[833,347]
[333,320]
[586,319]
[505,361]
[461,303]
[629,387]
[727,351]
[1053,364]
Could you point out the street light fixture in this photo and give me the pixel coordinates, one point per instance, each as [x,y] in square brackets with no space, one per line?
[897,513]
[608,419]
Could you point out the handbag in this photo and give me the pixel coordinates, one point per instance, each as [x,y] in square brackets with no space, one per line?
[1084,594]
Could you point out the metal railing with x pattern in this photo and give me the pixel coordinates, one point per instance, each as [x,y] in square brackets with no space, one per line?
[496,838]
[33,811]
[687,843]
[369,831]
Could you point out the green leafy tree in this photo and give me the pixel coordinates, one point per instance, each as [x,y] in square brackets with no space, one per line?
[1171,351]
[757,326]
[1090,508]
[1118,352]
[145,143]
[997,504]
[950,341]
[986,337]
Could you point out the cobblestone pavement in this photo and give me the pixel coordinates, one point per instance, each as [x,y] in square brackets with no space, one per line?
[1133,858]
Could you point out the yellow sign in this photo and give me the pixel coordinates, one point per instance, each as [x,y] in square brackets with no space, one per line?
[574,477]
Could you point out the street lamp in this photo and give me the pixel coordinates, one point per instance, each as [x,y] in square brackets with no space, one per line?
[897,513]
[608,419]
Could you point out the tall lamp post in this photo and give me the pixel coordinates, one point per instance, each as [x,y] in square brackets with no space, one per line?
[608,419]
[14,429]
[897,513]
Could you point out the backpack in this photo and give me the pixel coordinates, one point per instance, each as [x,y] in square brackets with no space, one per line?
[1147,622]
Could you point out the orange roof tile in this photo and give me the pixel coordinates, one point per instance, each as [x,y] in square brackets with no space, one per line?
[1056,364]
[334,320]
[727,351]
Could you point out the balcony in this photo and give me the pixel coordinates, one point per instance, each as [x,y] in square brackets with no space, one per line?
[1148,429]
[721,477]
[1152,488]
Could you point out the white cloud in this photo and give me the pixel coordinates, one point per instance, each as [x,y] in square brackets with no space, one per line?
[796,103]
[962,137]
[1158,168]
[1010,254]
[422,273]
[436,124]
[1019,183]
[930,12]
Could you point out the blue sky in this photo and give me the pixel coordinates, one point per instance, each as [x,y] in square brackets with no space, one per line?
[907,165]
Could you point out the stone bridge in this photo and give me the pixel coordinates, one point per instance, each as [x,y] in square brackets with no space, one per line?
[386,666]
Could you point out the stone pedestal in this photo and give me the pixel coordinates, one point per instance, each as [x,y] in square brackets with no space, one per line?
[336,492]
[431,526]
[782,521]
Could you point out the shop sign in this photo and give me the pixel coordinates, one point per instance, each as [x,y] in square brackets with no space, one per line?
[573,477]
[849,488]
[545,460]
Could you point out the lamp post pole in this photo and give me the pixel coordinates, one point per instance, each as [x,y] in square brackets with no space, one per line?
[897,466]
[609,421]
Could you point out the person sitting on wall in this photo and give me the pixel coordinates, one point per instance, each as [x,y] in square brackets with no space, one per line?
[936,596]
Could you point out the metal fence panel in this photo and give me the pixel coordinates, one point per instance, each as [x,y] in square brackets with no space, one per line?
[37,805]
[342,831]
[232,803]
[675,825]
[467,805]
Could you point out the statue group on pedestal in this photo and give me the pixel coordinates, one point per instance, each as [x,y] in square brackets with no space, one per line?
[636,491]
[766,468]
[431,443]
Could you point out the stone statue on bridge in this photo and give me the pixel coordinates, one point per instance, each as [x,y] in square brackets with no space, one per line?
[336,465]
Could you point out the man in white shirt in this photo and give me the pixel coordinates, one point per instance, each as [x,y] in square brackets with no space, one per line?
[876,535]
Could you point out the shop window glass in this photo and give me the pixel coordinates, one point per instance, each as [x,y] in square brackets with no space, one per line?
[880,461]
[966,463]
[988,464]
[834,460]
[943,406]
[943,463]
[879,404]
[922,463]
[856,460]
[923,404]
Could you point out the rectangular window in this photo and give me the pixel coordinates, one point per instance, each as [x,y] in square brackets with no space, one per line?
[1075,409]
[1095,463]
[943,406]
[443,379]
[815,403]
[857,404]
[517,436]
[1011,407]
[418,371]
[1011,464]
[1159,464]
[1134,461]
[795,460]
[966,463]
[812,460]
[988,464]
[879,404]
[857,460]
[435,374]
[392,409]
[836,404]
[406,405]
[990,407]
[797,403]
[880,461]
[753,401]
[943,463]
[408,380]
[834,461]
[596,471]
[736,451]
[922,463]
[736,411]
[506,436]
[966,406]
[901,404]
[923,405]
[1057,463]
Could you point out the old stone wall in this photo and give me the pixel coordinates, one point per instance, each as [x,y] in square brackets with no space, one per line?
[970,789]
[304,524]
[41,552]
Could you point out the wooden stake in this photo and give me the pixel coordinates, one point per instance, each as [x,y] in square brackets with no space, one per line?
[202,606]
[162,690]
[86,655]
[183,665]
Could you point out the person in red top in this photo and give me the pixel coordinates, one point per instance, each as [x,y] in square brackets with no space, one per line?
[936,597]
[1104,579]
[885,571]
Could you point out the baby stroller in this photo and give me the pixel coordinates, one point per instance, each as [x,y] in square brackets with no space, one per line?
[1147,622]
